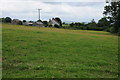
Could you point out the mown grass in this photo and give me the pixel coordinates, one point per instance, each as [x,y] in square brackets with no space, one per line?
[32,52]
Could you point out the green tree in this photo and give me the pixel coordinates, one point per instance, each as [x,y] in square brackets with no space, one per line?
[24,21]
[31,21]
[45,23]
[112,12]
[39,21]
[2,19]
[92,23]
[72,24]
[63,22]
[8,19]
[20,23]
[59,21]
[56,26]
[103,22]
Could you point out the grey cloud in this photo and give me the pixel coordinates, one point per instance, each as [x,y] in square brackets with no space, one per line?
[76,3]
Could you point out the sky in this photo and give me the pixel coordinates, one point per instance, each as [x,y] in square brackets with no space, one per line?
[67,10]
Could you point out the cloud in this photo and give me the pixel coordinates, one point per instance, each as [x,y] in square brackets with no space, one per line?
[67,11]
[77,3]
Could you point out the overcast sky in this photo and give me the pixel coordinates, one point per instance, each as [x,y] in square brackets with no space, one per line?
[69,10]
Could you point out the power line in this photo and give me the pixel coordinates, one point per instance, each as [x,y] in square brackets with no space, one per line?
[39,14]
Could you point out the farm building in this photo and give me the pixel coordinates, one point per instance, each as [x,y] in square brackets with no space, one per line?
[33,24]
[16,21]
[53,22]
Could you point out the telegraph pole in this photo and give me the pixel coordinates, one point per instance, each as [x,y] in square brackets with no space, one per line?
[39,14]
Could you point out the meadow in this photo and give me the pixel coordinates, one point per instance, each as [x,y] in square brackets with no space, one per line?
[33,52]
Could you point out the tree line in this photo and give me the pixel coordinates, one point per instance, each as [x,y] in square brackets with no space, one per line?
[102,24]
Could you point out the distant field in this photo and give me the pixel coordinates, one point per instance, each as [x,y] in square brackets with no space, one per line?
[32,52]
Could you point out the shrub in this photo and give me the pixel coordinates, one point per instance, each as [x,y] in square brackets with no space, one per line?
[57,26]
[112,29]
[50,25]
[20,23]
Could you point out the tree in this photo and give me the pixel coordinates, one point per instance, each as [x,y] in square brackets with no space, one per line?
[39,21]
[93,26]
[103,22]
[112,12]
[59,21]
[72,24]
[45,23]
[92,23]
[83,24]
[24,21]
[2,19]
[63,22]
[56,26]
[8,19]
[30,21]
[20,23]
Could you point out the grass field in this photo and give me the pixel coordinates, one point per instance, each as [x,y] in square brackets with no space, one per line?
[32,52]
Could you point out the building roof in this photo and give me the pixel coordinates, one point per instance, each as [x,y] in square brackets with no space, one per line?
[54,21]
[17,20]
[39,22]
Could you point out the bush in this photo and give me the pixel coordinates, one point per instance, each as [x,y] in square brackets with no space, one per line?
[20,23]
[50,25]
[112,29]
[57,26]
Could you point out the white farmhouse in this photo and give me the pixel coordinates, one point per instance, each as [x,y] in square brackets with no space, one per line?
[53,22]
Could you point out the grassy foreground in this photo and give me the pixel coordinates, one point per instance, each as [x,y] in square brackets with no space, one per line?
[32,52]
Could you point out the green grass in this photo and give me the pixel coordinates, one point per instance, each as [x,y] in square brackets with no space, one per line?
[32,52]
